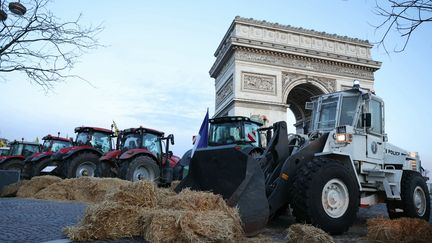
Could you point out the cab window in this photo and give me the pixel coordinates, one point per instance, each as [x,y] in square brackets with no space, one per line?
[375,109]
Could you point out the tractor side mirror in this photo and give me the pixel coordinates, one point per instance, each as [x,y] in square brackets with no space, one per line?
[170,153]
[171,137]
[367,120]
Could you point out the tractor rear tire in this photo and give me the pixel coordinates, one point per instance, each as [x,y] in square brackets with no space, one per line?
[39,166]
[13,164]
[104,170]
[141,168]
[84,164]
[415,199]
[326,195]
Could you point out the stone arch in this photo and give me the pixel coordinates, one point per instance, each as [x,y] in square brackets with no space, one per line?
[297,93]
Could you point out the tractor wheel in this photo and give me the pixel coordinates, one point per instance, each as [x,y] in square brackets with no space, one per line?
[39,166]
[104,170]
[141,168]
[415,200]
[326,195]
[13,164]
[83,164]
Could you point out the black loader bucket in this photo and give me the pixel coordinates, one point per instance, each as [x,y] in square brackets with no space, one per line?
[230,172]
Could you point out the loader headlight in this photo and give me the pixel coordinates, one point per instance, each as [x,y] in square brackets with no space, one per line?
[343,138]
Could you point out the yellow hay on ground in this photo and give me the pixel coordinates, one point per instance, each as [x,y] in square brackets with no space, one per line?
[12,189]
[107,220]
[36,184]
[399,230]
[304,233]
[189,226]
[85,189]
[140,194]
[163,193]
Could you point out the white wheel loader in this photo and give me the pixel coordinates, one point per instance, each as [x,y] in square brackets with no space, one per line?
[343,163]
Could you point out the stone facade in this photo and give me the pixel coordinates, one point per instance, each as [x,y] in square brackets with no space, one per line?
[264,68]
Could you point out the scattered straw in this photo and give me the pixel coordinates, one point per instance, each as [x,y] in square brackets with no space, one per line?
[12,189]
[84,189]
[107,220]
[36,184]
[166,225]
[399,230]
[140,194]
[304,233]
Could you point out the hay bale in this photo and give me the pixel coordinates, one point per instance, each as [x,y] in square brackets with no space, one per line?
[36,184]
[174,184]
[84,189]
[12,189]
[300,233]
[399,230]
[166,225]
[141,194]
[107,220]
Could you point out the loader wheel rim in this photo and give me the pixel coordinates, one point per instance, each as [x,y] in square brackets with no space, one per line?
[335,198]
[142,173]
[85,169]
[419,201]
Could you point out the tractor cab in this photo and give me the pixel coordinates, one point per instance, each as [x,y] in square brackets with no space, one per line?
[98,138]
[234,130]
[18,152]
[54,144]
[4,151]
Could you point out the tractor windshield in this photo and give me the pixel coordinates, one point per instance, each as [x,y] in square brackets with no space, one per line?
[101,141]
[55,145]
[130,141]
[16,149]
[348,110]
[4,151]
[233,133]
[82,138]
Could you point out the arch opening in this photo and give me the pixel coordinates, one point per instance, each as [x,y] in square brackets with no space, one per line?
[297,98]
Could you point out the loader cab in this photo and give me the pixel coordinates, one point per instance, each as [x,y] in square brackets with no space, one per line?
[234,130]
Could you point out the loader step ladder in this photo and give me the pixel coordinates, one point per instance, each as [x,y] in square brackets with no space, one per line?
[380,175]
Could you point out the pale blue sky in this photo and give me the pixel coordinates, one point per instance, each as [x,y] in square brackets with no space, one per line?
[154,68]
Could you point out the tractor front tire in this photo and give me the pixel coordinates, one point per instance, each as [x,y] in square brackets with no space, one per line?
[84,164]
[13,164]
[326,195]
[141,168]
[415,199]
[104,170]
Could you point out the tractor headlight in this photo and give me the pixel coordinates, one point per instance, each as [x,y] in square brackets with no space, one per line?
[342,136]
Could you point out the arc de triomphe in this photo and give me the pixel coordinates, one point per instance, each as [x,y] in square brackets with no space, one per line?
[263,68]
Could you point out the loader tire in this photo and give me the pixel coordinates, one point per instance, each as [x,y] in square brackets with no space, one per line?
[326,195]
[39,166]
[84,164]
[141,168]
[13,164]
[415,199]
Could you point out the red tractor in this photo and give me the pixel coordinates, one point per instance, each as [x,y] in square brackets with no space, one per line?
[82,158]
[18,152]
[139,156]
[34,164]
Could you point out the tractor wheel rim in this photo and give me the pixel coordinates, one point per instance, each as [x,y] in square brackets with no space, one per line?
[335,198]
[142,173]
[85,169]
[419,201]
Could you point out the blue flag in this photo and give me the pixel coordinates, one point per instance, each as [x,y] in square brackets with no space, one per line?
[201,140]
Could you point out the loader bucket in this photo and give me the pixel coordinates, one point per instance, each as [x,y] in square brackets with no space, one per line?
[230,172]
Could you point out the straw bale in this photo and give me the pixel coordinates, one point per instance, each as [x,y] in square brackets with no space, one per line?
[84,189]
[36,184]
[399,230]
[12,189]
[304,233]
[107,220]
[163,193]
[174,184]
[167,225]
[140,194]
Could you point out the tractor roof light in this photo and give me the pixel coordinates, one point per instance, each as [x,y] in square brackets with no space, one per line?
[356,84]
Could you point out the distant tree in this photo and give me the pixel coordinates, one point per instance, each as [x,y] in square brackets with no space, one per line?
[35,42]
[403,16]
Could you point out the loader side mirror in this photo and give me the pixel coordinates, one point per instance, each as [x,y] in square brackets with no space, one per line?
[366,120]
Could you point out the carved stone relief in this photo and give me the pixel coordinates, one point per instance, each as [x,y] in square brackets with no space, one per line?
[310,64]
[259,83]
[224,92]
[287,78]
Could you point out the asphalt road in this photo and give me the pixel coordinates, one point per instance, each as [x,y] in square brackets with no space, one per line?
[28,220]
